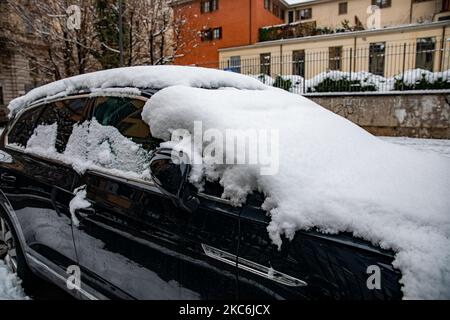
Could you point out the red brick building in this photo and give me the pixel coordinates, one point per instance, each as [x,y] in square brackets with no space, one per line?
[214,24]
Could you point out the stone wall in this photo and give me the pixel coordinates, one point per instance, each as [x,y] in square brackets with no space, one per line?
[424,115]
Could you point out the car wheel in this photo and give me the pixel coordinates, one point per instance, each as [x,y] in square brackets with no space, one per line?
[11,252]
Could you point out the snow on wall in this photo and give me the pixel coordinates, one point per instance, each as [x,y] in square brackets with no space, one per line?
[332,175]
[156,77]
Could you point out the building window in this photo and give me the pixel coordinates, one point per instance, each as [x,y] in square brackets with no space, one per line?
[212,34]
[209,6]
[235,64]
[298,63]
[335,58]
[265,60]
[217,33]
[376,58]
[290,16]
[276,9]
[304,14]
[267,4]
[343,8]
[382,3]
[425,48]
[207,35]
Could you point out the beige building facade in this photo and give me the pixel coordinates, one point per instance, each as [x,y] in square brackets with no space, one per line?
[411,35]
[331,13]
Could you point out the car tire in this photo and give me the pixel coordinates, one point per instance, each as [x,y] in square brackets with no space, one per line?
[11,251]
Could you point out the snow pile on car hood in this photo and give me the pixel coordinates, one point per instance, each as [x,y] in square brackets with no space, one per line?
[332,175]
[153,77]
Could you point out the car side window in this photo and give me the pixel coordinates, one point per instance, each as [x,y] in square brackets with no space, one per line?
[125,115]
[24,127]
[65,114]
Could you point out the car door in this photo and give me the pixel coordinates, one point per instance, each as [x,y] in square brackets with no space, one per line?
[128,241]
[37,184]
[310,266]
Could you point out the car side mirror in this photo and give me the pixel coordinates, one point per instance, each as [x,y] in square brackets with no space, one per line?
[170,172]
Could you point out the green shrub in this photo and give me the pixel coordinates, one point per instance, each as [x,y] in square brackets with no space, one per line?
[421,84]
[285,84]
[342,85]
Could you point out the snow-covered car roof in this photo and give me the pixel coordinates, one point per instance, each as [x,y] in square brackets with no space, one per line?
[154,77]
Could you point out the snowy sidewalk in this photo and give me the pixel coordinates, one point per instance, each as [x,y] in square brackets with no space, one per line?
[432,145]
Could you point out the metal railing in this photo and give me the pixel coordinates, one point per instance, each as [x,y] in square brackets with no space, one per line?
[377,67]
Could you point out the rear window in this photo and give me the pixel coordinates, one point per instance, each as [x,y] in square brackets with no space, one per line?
[24,127]
[64,113]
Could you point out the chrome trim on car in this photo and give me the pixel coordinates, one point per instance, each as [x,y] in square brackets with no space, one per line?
[83,292]
[253,267]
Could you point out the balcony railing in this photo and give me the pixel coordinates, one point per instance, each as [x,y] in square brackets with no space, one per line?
[287,31]
[305,29]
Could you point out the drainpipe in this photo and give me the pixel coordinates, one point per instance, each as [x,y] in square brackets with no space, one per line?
[281,59]
[411,11]
[441,60]
[250,22]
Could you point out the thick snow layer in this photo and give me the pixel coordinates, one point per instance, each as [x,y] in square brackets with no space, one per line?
[156,77]
[10,285]
[332,175]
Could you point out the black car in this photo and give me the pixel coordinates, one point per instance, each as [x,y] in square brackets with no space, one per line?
[160,238]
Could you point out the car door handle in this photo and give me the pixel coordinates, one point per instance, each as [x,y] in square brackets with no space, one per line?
[252,267]
[7,177]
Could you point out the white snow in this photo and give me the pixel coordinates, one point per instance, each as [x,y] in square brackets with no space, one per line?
[10,285]
[333,175]
[78,202]
[410,77]
[439,146]
[92,146]
[156,77]
[43,140]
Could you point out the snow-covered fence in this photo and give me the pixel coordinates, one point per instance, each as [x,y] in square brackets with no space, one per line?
[374,68]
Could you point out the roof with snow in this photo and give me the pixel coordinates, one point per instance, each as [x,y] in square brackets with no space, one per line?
[143,77]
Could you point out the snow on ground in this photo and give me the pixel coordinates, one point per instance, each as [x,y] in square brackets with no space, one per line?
[429,145]
[10,288]
[332,175]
